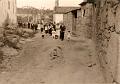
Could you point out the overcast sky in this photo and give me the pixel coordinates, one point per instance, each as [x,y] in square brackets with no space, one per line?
[47,4]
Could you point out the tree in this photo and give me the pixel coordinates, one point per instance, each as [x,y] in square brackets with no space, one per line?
[91,1]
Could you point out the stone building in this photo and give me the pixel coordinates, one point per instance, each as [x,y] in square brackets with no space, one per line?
[85,19]
[79,20]
[71,20]
[100,21]
[58,16]
[8,12]
[106,24]
[28,14]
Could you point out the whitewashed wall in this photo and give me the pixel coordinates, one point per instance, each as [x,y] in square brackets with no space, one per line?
[58,18]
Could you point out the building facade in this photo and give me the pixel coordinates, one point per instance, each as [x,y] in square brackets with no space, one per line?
[59,13]
[58,18]
[79,21]
[28,14]
[71,20]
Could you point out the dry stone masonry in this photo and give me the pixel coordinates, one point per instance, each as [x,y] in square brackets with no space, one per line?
[106,25]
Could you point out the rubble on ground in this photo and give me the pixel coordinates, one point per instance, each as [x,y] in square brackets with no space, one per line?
[9,51]
[11,41]
[56,56]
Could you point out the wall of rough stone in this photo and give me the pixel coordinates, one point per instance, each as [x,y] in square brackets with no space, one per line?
[84,19]
[68,21]
[83,23]
[79,30]
[106,24]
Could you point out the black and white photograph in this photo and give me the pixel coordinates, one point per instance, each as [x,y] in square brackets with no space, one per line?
[59,41]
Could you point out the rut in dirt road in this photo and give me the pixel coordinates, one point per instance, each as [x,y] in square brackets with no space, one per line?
[50,61]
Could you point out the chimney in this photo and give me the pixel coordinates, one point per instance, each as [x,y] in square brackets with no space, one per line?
[56,3]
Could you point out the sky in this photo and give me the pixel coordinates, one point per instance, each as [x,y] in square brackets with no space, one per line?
[47,4]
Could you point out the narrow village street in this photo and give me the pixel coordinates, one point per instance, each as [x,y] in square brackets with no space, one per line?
[75,63]
[60,42]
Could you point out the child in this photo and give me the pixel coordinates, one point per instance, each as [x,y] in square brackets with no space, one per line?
[68,35]
[53,34]
[43,35]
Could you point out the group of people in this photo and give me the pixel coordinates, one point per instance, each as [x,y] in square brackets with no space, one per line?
[28,25]
[21,24]
[54,30]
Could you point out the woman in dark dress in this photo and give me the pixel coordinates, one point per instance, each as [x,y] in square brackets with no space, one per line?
[62,32]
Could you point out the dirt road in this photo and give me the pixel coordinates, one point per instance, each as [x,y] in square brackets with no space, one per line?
[49,61]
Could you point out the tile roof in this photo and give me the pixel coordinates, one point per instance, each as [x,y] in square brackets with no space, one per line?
[62,10]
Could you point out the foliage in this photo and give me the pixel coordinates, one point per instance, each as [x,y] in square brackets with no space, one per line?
[91,1]
[33,11]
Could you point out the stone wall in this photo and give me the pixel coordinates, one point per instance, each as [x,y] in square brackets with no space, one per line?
[68,21]
[106,24]
[84,18]
[82,24]
[101,22]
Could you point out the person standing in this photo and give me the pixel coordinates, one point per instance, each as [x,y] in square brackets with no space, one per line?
[62,32]
[42,27]
[39,26]
[50,29]
[32,26]
[54,27]
[36,26]
[68,35]
[28,25]
[46,29]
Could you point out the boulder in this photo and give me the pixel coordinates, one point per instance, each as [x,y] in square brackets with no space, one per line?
[1,44]
[12,40]
[26,35]
[22,41]
[19,31]
[29,32]
[7,51]
[19,46]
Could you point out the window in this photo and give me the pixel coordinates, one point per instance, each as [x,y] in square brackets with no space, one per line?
[84,13]
[75,14]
